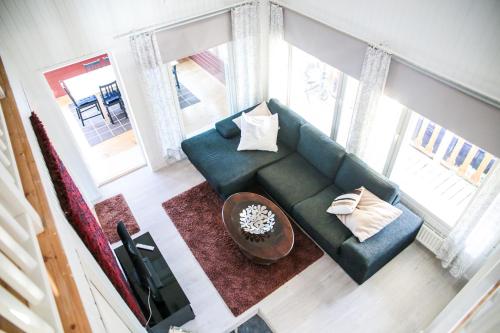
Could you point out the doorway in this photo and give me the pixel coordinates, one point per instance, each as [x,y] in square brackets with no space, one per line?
[201,88]
[94,109]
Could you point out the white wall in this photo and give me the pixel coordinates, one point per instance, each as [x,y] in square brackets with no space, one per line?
[128,79]
[44,33]
[35,89]
[468,297]
[36,36]
[456,39]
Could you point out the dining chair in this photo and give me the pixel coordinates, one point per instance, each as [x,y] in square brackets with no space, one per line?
[111,95]
[174,71]
[83,105]
[90,66]
[106,61]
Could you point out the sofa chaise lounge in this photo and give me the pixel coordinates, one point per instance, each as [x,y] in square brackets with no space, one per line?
[304,176]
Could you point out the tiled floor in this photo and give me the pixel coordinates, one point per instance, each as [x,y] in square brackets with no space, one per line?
[186,97]
[99,129]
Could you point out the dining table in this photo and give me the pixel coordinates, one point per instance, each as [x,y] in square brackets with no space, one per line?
[87,84]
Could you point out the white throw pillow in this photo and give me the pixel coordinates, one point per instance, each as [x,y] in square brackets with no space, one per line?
[259,133]
[261,110]
[346,203]
[370,216]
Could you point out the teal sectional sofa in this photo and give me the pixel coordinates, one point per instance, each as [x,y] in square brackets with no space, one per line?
[304,176]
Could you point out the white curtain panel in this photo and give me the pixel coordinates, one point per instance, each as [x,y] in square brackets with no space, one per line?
[245,58]
[157,84]
[477,231]
[278,55]
[371,88]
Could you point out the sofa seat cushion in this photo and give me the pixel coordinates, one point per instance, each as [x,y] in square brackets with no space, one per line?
[326,229]
[86,101]
[291,180]
[226,169]
[363,259]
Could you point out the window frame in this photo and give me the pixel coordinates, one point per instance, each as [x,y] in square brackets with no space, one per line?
[338,107]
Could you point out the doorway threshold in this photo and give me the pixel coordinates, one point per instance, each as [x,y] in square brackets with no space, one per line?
[124,173]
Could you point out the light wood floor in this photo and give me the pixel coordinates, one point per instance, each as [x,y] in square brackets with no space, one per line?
[402,297]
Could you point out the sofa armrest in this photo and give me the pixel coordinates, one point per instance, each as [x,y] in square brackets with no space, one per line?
[362,260]
[227,128]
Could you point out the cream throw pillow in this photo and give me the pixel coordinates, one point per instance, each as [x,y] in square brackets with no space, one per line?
[370,216]
[259,133]
[346,203]
[261,110]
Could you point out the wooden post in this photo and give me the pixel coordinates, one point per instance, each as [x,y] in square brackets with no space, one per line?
[68,300]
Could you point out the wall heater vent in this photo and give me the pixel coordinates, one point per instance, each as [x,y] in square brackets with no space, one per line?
[429,238]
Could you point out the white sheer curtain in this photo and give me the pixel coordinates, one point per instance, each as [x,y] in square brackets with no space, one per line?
[371,88]
[278,55]
[477,231]
[245,81]
[157,83]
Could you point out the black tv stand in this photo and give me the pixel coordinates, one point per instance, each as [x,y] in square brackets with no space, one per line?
[173,308]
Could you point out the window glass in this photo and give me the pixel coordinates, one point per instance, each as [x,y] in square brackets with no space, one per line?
[439,169]
[383,130]
[313,89]
[383,133]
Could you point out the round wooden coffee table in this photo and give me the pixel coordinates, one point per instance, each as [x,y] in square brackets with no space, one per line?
[262,249]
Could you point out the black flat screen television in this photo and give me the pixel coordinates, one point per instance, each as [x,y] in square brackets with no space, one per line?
[145,273]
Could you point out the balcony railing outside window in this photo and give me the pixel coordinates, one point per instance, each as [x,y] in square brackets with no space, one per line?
[439,169]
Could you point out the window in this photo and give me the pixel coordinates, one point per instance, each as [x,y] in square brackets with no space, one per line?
[438,172]
[201,88]
[438,169]
[313,89]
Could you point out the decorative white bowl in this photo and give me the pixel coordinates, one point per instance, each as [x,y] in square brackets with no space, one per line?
[257,219]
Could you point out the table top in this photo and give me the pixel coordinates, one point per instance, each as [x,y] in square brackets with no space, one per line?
[270,246]
[87,84]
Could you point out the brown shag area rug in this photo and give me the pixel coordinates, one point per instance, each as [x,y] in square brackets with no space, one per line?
[197,214]
[110,212]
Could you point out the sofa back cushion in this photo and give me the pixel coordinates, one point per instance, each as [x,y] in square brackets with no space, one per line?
[290,123]
[319,150]
[354,173]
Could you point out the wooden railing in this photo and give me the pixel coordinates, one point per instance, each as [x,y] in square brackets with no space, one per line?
[29,239]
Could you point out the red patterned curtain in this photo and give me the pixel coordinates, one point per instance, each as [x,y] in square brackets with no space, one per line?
[81,218]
